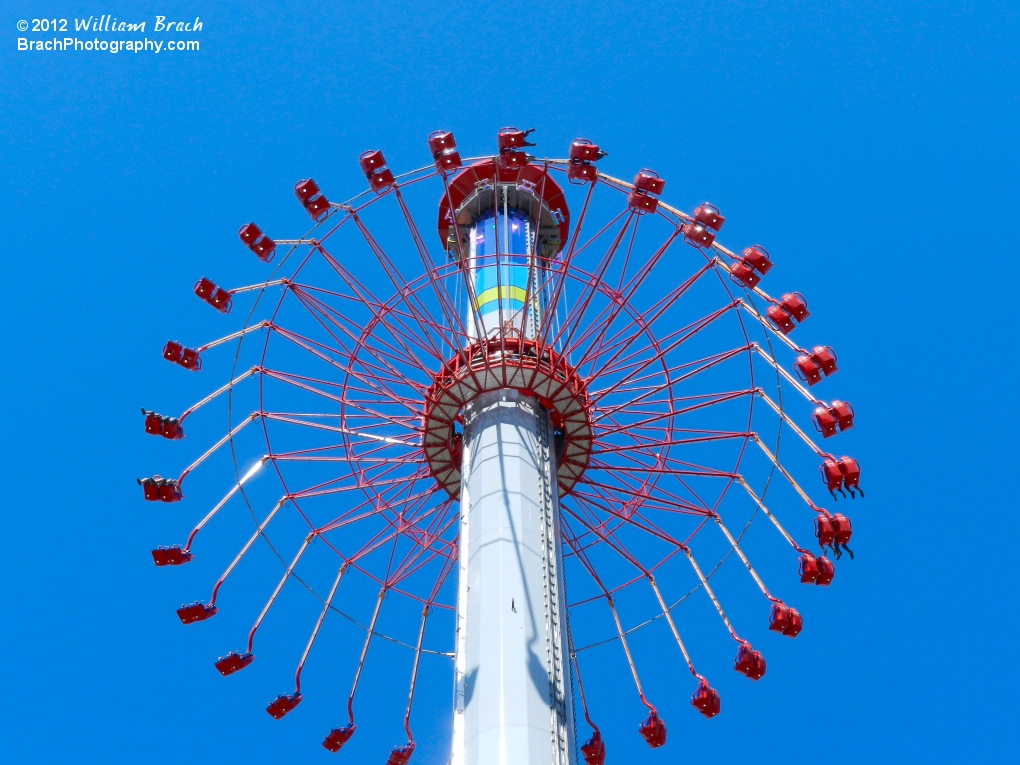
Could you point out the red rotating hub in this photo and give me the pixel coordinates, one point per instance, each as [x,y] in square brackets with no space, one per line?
[521,365]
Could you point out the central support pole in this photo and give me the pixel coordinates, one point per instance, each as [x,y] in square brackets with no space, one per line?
[513,700]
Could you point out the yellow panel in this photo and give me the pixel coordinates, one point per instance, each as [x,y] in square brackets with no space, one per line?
[502,293]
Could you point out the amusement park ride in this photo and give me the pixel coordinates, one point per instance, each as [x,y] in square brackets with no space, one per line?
[549,398]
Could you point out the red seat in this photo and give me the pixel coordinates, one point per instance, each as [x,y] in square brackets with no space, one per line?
[642,203]
[196,612]
[172,351]
[808,568]
[825,358]
[826,572]
[510,139]
[582,172]
[594,750]
[172,429]
[709,216]
[795,305]
[381,181]
[305,190]
[317,207]
[844,414]
[150,488]
[263,247]
[825,422]
[215,296]
[583,156]
[785,620]
[758,257]
[444,151]
[649,182]
[653,730]
[780,319]
[749,662]
[170,491]
[181,356]
[284,704]
[851,471]
[371,162]
[171,556]
[832,475]
[153,423]
[697,235]
[807,370]
[825,530]
[220,300]
[706,699]
[234,662]
[842,529]
[743,273]
[400,755]
[204,288]
[373,165]
[190,359]
[314,202]
[338,737]
[583,150]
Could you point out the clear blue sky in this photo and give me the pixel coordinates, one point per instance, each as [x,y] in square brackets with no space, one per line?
[872,145]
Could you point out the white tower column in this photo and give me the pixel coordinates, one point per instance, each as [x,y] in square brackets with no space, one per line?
[512,695]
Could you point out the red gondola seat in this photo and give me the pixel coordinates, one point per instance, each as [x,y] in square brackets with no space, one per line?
[826,572]
[807,369]
[172,429]
[583,156]
[283,705]
[594,749]
[649,182]
[196,612]
[795,305]
[171,556]
[444,151]
[234,662]
[647,186]
[400,755]
[172,351]
[782,320]
[785,620]
[204,288]
[150,488]
[314,201]
[832,475]
[190,359]
[808,568]
[642,203]
[844,414]
[851,471]
[170,490]
[512,139]
[706,699]
[217,297]
[825,530]
[338,737]
[749,662]
[825,422]
[653,730]
[758,257]
[373,165]
[153,423]
[825,358]
[743,272]
[709,216]
[253,238]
